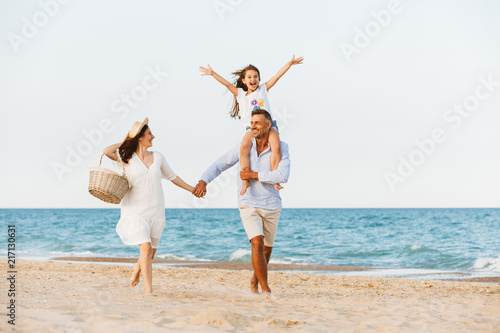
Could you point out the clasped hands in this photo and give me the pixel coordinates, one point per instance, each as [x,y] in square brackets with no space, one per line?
[201,188]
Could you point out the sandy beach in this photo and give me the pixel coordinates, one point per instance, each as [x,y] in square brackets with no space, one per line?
[58,296]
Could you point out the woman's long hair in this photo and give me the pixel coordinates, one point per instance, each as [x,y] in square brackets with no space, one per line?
[129,146]
[238,83]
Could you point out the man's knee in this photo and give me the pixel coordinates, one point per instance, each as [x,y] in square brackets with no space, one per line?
[257,243]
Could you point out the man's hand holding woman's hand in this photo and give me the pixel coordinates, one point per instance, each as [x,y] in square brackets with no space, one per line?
[200,189]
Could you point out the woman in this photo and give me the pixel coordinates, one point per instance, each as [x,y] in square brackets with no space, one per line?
[142,208]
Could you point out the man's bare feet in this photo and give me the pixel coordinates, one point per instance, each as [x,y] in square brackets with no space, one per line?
[134,281]
[245,186]
[254,285]
[278,187]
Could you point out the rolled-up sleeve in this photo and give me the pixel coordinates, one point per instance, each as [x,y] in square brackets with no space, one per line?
[282,173]
[222,164]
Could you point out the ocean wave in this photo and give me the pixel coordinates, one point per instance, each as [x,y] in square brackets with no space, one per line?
[27,254]
[170,256]
[415,248]
[290,260]
[487,264]
[241,255]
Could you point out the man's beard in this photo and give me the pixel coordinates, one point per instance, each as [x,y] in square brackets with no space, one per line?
[260,136]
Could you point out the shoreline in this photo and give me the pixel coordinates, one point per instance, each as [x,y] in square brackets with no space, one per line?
[230,265]
[462,276]
[62,296]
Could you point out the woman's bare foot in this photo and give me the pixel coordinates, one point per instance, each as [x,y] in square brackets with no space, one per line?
[134,281]
[245,186]
[278,187]
[254,285]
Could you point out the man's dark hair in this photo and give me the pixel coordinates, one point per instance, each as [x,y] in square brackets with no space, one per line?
[264,112]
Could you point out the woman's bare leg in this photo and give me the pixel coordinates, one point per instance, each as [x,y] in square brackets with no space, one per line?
[145,262]
[246,145]
[154,252]
[136,273]
[274,141]
[134,281]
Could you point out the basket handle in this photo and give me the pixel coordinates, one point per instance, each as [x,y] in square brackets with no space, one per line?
[123,168]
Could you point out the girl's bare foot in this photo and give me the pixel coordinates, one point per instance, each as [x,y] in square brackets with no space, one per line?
[254,285]
[245,186]
[134,281]
[278,187]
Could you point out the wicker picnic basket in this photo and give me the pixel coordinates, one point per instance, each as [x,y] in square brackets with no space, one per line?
[107,185]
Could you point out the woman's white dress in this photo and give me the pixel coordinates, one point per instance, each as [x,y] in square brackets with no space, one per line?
[142,217]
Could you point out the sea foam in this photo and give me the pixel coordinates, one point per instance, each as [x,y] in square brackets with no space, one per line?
[488,264]
[240,254]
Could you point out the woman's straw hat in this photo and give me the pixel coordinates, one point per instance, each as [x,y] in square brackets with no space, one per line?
[137,127]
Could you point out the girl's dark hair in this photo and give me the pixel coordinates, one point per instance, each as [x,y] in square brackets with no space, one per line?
[238,83]
[129,146]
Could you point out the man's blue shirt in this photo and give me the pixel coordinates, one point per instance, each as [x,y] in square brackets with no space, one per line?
[262,192]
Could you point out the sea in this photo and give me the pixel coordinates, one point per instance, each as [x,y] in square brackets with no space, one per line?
[417,243]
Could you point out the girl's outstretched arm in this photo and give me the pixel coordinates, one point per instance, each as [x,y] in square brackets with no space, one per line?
[282,71]
[209,71]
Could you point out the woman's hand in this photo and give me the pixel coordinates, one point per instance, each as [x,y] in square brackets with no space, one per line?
[206,71]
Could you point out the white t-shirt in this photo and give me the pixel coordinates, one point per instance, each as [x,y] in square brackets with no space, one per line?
[256,100]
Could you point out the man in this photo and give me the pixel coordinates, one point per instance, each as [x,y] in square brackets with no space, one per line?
[260,206]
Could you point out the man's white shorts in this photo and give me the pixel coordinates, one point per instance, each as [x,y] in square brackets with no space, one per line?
[260,222]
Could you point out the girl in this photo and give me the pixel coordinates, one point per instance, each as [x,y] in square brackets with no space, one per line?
[248,96]
[142,217]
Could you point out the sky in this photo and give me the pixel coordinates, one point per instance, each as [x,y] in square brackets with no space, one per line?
[395,105]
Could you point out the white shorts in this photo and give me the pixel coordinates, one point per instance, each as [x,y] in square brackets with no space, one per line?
[260,222]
